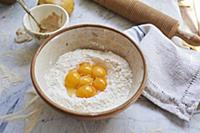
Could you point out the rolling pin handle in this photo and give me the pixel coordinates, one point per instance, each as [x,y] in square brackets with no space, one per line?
[190,38]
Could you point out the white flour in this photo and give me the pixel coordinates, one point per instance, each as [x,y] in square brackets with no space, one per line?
[8,78]
[118,78]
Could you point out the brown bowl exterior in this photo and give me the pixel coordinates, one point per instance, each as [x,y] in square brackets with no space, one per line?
[101,115]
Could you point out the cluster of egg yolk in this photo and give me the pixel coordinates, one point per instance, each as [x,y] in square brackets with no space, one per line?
[86,80]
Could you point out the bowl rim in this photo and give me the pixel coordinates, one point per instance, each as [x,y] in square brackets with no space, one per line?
[103,114]
[51,6]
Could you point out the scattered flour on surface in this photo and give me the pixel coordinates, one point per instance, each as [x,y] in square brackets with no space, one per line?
[8,78]
[119,80]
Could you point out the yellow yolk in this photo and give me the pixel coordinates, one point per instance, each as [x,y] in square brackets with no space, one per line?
[98,71]
[99,84]
[72,79]
[86,91]
[85,69]
[85,80]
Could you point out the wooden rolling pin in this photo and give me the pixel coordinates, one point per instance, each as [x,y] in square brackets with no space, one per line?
[140,13]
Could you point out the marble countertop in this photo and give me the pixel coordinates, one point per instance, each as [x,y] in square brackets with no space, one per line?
[141,117]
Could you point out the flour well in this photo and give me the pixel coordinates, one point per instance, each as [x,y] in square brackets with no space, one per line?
[119,80]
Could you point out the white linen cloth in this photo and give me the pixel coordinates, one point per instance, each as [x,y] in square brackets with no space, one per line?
[173,72]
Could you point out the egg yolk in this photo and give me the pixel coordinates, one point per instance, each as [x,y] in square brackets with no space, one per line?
[99,84]
[85,80]
[98,71]
[72,79]
[86,91]
[85,69]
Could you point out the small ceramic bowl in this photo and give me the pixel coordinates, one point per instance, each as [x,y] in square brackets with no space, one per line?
[87,37]
[41,12]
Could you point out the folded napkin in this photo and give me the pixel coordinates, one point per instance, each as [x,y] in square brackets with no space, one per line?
[173,72]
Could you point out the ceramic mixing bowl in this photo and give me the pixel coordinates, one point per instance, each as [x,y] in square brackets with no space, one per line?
[90,37]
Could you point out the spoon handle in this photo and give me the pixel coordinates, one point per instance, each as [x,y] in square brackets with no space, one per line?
[23,5]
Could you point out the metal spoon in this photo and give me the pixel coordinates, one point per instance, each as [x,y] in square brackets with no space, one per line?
[23,5]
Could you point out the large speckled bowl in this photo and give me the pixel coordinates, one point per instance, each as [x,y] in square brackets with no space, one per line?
[88,36]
